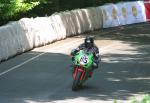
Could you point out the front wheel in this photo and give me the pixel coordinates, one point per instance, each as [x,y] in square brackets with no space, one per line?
[76,82]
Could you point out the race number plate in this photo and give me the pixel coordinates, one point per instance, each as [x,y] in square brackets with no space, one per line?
[84,60]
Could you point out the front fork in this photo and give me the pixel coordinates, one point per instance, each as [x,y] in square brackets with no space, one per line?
[83,73]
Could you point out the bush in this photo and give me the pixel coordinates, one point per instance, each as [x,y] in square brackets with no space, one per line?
[11,9]
[145,99]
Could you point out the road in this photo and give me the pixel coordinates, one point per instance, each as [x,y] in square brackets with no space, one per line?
[43,75]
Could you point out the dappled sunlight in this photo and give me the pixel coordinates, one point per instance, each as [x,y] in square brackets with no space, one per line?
[118,59]
[122,73]
[75,100]
[33,101]
[119,47]
[110,72]
[126,56]
[125,64]
[113,79]
[121,52]
[141,35]
[139,78]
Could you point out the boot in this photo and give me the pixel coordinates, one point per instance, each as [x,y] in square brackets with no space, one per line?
[90,74]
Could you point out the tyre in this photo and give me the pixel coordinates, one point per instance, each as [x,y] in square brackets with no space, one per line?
[76,82]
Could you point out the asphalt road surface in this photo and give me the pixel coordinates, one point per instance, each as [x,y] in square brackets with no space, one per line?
[43,75]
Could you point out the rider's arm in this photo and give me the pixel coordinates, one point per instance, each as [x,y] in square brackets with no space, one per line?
[97,55]
[74,51]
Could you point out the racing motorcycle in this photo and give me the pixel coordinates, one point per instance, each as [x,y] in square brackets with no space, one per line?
[83,62]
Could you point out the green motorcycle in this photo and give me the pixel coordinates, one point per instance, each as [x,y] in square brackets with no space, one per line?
[83,62]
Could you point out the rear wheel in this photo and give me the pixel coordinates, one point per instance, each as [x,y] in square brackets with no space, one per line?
[76,82]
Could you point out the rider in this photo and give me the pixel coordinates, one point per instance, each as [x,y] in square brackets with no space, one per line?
[90,46]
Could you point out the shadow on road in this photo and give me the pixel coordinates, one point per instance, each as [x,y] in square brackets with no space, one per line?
[120,75]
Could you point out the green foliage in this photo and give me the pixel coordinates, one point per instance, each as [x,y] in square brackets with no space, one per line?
[16,9]
[115,101]
[10,8]
[134,100]
[145,99]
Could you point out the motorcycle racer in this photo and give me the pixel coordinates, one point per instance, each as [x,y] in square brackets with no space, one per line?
[90,46]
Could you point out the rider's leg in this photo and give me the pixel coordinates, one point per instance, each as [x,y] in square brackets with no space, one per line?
[94,66]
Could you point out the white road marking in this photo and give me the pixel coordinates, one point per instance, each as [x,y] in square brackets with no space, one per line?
[75,43]
[51,49]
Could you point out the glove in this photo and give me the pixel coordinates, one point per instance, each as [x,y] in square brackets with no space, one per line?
[74,51]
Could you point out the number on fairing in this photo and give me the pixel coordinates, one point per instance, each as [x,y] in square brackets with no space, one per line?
[84,59]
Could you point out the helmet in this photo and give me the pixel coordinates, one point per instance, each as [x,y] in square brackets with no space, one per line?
[88,42]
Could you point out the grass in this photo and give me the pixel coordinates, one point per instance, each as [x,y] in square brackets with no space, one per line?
[145,99]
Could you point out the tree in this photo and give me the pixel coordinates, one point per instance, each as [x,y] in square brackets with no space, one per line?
[12,8]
